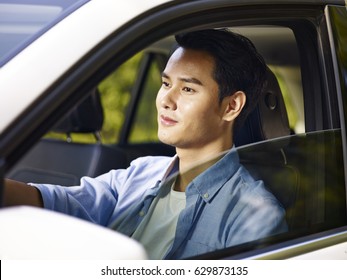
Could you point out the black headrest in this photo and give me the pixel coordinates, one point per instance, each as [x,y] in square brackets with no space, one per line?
[87,117]
[268,120]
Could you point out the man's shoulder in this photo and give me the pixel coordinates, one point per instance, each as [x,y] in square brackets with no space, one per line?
[248,188]
[158,165]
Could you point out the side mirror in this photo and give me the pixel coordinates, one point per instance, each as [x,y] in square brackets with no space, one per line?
[33,233]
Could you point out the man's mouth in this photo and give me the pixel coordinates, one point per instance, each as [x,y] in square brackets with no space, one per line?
[167,121]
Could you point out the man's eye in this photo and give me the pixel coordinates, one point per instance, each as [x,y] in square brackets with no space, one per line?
[188,89]
[165,84]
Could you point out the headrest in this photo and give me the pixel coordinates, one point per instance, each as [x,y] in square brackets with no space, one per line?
[87,117]
[268,120]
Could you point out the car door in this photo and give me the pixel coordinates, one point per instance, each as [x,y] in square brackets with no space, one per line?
[302,166]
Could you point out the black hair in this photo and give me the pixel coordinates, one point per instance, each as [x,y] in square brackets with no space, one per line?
[238,65]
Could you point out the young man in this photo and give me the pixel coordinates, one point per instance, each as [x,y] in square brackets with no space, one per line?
[211,82]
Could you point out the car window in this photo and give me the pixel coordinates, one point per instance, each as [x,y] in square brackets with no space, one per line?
[128,100]
[116,91]
[144,127]
[285,67]
[339,37]
[304,174]
[21,21]
[128,94]
[289,79]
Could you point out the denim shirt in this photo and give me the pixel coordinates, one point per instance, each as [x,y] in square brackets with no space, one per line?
[225,206]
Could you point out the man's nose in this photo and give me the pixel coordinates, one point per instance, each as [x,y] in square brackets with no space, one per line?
[169,99]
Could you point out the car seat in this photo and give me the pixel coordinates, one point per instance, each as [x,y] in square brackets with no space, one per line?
[261,143]
[65,162]
[269,119]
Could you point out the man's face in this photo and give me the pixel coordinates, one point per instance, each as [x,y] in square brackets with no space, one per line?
[189,113]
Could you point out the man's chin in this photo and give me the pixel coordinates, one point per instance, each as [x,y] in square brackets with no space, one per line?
[167,139]
[167,142]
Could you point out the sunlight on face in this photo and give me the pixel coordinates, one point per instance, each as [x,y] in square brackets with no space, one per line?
[189,113]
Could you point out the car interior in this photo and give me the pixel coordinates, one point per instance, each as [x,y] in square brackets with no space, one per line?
[64,162]
[300,167]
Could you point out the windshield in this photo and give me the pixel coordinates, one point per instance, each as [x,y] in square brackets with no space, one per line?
[22,21]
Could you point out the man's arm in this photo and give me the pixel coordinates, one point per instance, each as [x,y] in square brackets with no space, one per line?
[18,193]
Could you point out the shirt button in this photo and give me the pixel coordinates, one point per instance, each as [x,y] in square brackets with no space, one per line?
[141,213]
[206,195]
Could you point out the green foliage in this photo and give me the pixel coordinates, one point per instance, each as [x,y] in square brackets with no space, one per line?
[145,125]
[115,95]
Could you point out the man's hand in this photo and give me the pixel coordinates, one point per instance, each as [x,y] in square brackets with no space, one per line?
[18,193]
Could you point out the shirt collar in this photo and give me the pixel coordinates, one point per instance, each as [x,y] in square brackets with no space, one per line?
[208,183]
[172,168]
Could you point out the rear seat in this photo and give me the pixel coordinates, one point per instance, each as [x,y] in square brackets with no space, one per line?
[65,162]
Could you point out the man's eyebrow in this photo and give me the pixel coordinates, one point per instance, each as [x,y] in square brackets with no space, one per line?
[164,75]
[192,81]
[187,80]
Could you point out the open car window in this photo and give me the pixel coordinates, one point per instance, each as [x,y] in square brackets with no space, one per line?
[128,93]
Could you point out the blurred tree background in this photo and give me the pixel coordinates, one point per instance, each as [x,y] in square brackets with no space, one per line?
[115,91]
[115,96]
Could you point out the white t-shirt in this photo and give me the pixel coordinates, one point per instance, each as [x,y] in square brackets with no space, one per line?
[157,231]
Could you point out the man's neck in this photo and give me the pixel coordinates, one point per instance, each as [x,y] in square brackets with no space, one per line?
[193,162]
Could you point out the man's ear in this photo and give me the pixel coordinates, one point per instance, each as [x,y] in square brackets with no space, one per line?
[234,105]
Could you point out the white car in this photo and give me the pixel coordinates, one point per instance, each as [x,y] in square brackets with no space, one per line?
[74,68]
